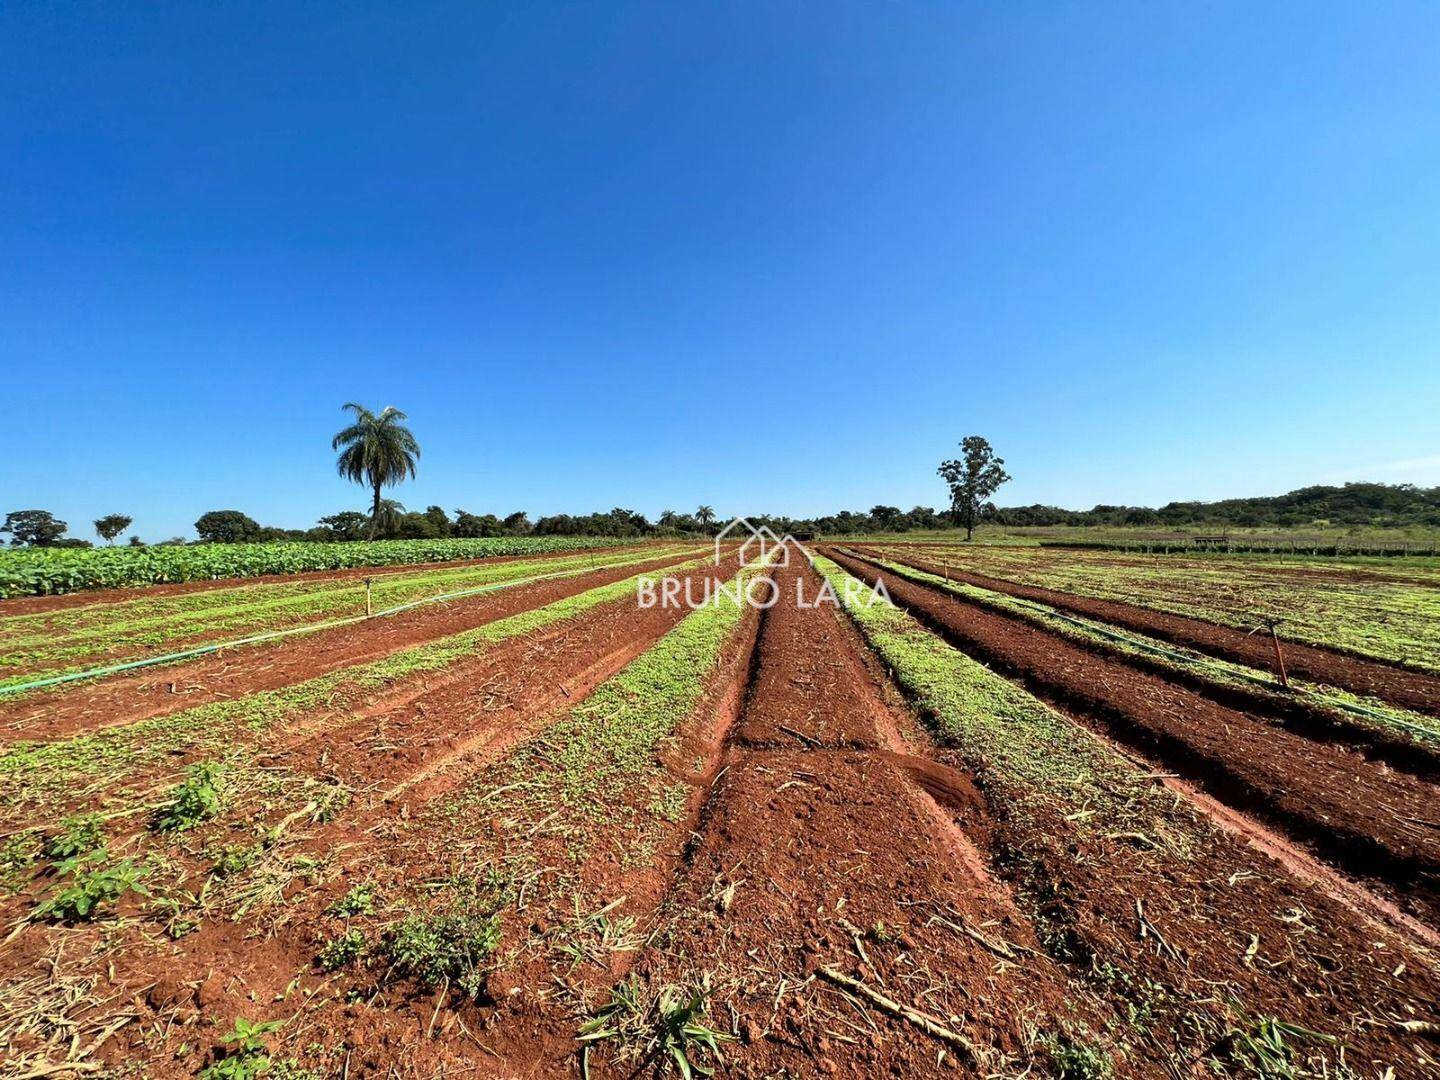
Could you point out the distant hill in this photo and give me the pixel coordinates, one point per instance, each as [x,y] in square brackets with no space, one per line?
[1386,505]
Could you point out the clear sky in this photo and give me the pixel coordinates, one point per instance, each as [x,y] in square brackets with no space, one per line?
[774,257]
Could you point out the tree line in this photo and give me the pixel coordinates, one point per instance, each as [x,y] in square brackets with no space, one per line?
[377,450]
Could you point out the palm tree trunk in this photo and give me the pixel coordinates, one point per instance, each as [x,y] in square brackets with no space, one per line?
[374,514]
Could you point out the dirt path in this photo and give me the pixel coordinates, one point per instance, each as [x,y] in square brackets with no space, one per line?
[93,705]
[1401,686]
[1375,823]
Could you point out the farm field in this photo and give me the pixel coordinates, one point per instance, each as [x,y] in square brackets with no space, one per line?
[1050,813]
[1384,609]
[57,571]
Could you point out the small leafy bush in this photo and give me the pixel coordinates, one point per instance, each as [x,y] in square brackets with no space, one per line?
[670,1028]
[358,901]
[445,947]
[237,858]
[195,799]
[341,951]
[245,1055]
[78,835]
[93,885]
[1072,1059]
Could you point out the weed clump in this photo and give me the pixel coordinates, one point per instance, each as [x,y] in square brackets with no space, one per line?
[358,901]
[78,835]
[1072,1059]
[197,798]
[236,859]
[341,951]
[669,1028]
[444,948]
[93,885]
[245,1056]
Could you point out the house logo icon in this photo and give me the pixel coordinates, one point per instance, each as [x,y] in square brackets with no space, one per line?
[757,544]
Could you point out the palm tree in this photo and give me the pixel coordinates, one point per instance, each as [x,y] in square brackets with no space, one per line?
[388,515]
[705,515]
[379,451]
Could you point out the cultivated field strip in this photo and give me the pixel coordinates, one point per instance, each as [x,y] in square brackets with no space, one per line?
[825,845]
[124,699]
[1358,814]
[1347,611]
[1203,942]
[1414,690]
[121,767]
[55,643]
[801,841]
[1405,740]
[578,795]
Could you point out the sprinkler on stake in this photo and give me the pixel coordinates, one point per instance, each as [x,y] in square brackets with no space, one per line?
[1280,672]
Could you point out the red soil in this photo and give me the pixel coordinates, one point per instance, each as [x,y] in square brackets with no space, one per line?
[814,836]
[1389,682]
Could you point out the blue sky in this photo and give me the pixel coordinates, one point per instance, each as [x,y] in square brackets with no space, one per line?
[770,257]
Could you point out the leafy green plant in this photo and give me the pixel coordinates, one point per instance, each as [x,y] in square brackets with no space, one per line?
[341,951]
[237,858]
[1071,1059]
[195,799]
[670,1029]
[245,1056]
[77,836]
[447,947]
[360,900]
[47,571]
[1264,1049]
[93,885]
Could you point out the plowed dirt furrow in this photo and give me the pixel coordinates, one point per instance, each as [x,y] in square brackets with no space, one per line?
[825,844]
[1401,686]
[1374,823]
[119,700]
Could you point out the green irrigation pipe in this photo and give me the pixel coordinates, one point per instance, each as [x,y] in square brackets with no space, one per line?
[202,650]
[1145,646]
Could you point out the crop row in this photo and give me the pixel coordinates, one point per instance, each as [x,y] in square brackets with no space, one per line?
[34,775]
[48,571]
[1369,617]
[53,641]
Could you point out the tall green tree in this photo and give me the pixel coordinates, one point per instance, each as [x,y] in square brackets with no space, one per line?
[227,527]
[33,528]
[379,451]
[705,515]
[973,477]
[111,526]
